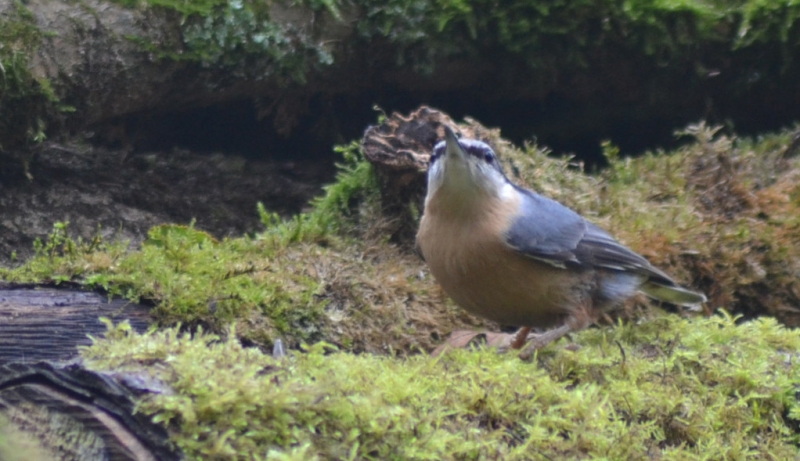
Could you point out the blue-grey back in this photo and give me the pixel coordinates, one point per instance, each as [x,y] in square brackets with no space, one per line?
[548,231]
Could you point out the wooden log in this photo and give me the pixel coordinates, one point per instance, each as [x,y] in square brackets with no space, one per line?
[78,414]
[45,323]
[67,411]
[400,149]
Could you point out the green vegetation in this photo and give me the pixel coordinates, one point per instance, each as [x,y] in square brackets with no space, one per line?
[24,99]
[667,388]
[335,212]
[543,34]
[240,36]
[550,35]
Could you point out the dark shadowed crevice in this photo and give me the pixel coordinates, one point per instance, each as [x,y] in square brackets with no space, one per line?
[560,122]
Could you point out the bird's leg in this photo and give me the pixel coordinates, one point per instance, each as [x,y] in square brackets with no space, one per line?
[520,338]
[506,341]
[579,320]
[539,341]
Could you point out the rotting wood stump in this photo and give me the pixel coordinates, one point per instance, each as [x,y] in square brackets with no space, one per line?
[400,150]
[72,413]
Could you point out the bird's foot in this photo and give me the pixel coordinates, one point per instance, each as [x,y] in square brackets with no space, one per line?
[538,341]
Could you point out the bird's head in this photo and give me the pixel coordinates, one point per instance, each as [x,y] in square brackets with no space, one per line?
[466,168]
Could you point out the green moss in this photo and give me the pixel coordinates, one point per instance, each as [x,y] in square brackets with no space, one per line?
[340,210]
[239,36]
[550,35]
[194,278]
[667,388]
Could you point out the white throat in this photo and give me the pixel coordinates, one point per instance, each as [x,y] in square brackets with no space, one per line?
[459,185]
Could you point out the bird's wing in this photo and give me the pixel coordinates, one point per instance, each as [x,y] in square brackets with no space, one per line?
[547,231]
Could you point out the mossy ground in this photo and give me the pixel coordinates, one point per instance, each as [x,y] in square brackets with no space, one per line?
[720,214]
[666,388]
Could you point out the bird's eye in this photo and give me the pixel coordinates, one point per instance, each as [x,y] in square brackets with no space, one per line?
[488,156]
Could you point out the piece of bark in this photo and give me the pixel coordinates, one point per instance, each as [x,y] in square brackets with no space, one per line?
[79,414]
[39,323]
[400,150]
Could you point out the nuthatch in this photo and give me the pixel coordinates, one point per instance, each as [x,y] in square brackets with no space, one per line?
[507,254]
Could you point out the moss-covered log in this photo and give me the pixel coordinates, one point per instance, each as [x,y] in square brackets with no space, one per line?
[98,61]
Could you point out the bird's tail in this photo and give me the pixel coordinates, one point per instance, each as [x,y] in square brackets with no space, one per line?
[673,294]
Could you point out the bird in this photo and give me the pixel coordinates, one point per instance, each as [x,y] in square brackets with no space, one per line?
[510,255]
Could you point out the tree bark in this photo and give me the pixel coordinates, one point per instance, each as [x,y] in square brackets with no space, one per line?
[71,412]
[39,323]
[78,414]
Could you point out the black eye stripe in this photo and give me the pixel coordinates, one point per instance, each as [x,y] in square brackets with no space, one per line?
[482,152]
[471,147]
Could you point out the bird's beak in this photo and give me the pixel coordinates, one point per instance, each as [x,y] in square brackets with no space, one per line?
[453,148]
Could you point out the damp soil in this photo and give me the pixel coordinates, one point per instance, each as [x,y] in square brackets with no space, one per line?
[120,195]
